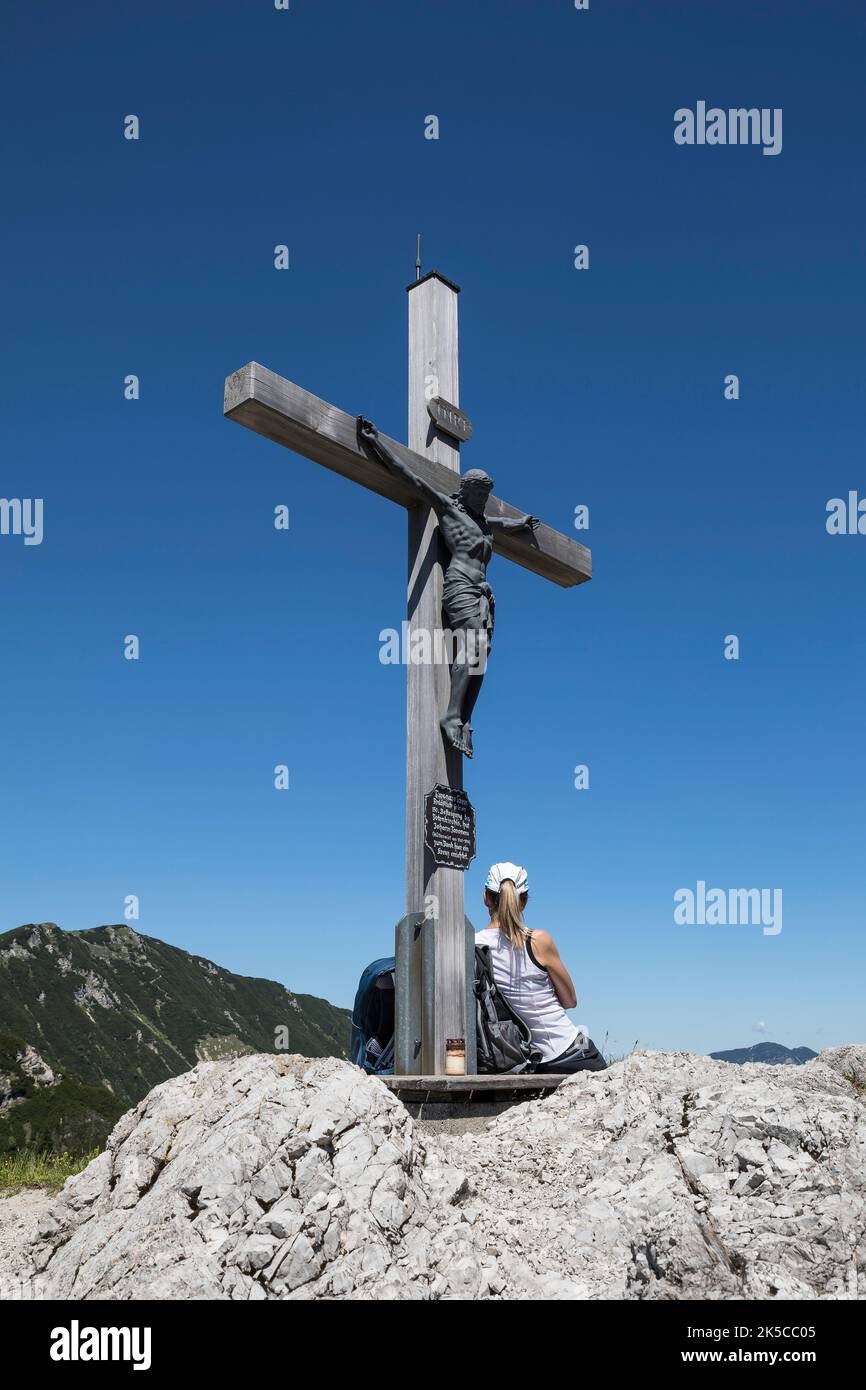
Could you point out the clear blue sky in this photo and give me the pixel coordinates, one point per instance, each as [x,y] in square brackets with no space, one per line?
[603,387]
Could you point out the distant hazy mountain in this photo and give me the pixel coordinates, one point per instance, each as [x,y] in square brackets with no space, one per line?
[90,1021]
[773,1053]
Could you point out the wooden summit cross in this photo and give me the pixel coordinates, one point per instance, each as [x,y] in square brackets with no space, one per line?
[435,951]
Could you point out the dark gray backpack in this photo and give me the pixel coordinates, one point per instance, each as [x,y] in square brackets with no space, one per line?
[503,1040]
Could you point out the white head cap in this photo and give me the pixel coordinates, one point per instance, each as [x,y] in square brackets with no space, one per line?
[498,872]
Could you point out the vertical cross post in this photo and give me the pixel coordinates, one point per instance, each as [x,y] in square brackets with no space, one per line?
[439,966]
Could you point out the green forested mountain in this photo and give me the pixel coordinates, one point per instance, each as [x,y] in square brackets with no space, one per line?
[41,1108]
[91,1020]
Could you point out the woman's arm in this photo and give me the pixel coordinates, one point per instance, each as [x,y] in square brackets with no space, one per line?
[545,952]
[368,434]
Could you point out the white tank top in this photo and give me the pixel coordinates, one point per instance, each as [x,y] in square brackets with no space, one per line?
[526,986]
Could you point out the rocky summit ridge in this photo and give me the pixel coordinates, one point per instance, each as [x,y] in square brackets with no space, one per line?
[668,1176]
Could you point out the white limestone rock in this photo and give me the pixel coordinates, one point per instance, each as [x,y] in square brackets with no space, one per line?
[669,1176]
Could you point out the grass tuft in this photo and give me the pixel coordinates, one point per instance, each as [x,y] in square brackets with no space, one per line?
[48,1170]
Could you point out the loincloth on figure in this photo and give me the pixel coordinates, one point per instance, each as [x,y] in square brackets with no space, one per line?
[468,603]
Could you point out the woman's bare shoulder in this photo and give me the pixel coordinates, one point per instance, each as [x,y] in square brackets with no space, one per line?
[542,940]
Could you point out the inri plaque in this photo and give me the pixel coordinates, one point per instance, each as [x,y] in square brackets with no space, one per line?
[449,827]
[449,418]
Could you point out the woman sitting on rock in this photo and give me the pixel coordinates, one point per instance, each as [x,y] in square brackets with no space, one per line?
[529,974]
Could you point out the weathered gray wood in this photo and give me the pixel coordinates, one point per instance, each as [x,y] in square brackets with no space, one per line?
[530,1081]
[407,992]
[285,413]
[437,892]
[462,1088]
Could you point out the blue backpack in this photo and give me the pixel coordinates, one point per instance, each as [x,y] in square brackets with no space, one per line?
[503,1040]
[372,1041]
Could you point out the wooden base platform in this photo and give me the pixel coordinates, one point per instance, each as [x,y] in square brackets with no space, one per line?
[468,1090]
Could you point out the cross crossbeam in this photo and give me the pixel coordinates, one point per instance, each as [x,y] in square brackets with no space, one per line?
[289,415]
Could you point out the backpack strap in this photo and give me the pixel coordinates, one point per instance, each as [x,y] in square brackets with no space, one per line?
[531,953]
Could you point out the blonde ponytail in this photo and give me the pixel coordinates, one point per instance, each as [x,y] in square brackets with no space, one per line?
[508,914]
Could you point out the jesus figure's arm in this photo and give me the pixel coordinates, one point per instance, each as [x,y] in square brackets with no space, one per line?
[368,434]
[506,525]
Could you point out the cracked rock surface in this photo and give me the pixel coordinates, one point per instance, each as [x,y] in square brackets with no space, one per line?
[669,1176]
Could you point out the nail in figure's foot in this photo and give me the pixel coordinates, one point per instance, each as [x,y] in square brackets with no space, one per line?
[453,731]
[467,740]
